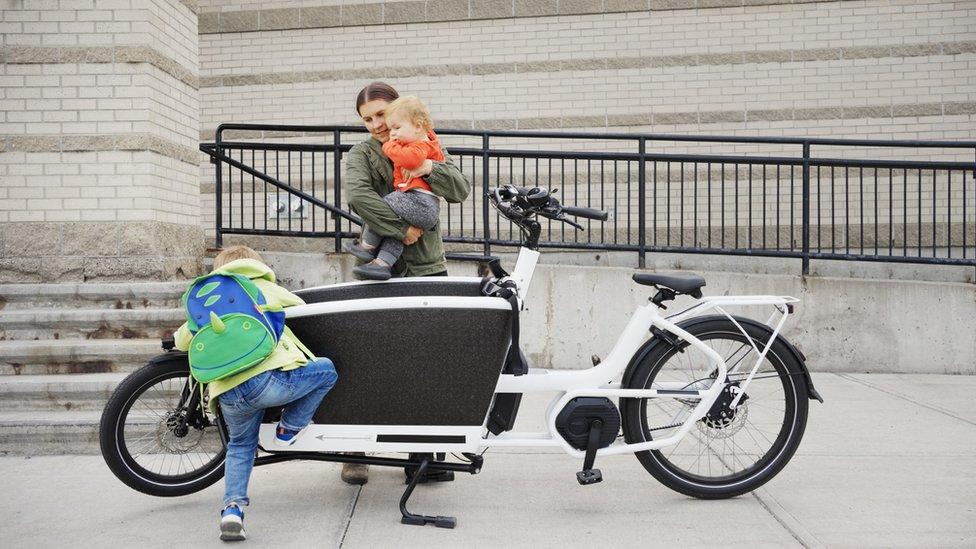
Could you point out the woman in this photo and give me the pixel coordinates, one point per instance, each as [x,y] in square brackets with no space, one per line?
[368,178]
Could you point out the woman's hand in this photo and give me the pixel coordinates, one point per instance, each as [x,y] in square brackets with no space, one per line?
[422,171]
[413,234]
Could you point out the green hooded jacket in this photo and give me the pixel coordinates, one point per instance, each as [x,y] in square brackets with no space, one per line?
[286,356]
[369,177]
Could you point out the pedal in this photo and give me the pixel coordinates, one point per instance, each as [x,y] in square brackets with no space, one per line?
[589,476]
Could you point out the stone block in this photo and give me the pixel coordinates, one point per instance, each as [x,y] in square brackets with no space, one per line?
[20,270]
[583,64]
[93,54]
[631,119]
[493,68]
[720,59]
[362,14]
[828,113]
[286,18]
[90,239]
[447,10]
[239,21]
[777,56]
[208,23]
[671,118]
[817,54]
[574,7]
[491,9]
[712,117]
[961,107]
[771,115]
[539,123]
[321,16]
[535,8]
[87,143]
[403,12]
[921,109]
[672,4]
[32,239]
[124,268]
[873,111]
[916,50]
[952,48]
[719,3]
[613,6]
[31,143]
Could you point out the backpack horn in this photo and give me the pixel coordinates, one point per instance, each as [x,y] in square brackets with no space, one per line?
[218,325]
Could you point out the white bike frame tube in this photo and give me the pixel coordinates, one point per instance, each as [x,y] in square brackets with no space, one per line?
[522,274]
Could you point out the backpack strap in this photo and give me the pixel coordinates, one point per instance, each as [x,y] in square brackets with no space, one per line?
[291,335]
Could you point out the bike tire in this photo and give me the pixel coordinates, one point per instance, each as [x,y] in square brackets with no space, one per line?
[781,372]
[119,457]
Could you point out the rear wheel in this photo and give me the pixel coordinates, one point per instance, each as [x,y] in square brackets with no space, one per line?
[729,451]
[151,440]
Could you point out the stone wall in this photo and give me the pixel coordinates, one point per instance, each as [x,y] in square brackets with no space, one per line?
[98,140]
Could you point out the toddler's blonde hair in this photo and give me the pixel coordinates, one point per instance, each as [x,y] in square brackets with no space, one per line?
[234,253]
[413,109]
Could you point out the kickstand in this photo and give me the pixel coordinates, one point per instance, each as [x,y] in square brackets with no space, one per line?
[420,520]
[589,475]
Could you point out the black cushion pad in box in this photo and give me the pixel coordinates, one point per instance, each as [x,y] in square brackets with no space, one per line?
[423,366]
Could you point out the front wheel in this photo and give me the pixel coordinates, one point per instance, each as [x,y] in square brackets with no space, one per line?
[729,451]
[153,435]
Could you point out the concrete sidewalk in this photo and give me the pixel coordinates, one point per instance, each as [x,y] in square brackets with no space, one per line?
[887,461]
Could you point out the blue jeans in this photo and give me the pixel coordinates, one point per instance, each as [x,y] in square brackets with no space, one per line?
[300,390]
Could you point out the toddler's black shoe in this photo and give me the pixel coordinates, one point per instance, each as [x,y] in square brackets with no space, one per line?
[360,252]
[372,271]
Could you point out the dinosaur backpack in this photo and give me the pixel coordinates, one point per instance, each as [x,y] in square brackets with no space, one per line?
[233,327]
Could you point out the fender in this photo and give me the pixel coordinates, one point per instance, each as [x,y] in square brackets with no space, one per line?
[171,356]
[659,339]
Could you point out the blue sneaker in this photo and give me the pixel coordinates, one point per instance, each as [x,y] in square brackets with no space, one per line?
[286,437]
[232,523]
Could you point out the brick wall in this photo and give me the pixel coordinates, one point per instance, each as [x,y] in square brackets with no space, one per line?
[99,132]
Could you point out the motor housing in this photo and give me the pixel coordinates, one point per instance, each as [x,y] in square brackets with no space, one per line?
[573,421]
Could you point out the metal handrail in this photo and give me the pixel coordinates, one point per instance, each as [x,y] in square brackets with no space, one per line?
[948,221]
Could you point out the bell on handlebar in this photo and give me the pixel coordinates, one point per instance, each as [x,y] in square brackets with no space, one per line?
[537,197]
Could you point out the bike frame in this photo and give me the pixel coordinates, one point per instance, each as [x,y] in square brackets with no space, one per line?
[598,381]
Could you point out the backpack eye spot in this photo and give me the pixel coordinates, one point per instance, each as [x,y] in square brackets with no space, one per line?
[199,346]
[246,325]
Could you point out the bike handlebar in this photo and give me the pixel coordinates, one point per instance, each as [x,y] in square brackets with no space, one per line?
[589,213]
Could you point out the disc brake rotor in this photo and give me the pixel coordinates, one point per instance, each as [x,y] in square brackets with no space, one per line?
[174,435]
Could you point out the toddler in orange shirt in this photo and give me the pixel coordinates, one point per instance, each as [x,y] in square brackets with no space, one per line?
[412,141]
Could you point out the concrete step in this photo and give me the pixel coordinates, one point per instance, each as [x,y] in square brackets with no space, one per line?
[67,432]
[65,392]
[75,356]
[49,432]
[54,324]
[122,295]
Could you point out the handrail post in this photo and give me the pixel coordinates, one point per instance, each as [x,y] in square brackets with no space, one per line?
[641,204]
[337,187]
[484,194]
[218,190]
[806,208]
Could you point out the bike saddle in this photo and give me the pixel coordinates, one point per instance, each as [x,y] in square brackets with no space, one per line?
[682,284]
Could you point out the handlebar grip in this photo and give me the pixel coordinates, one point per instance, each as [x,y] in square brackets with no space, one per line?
[588,213]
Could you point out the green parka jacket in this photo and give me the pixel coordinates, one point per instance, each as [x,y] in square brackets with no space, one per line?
[369,177]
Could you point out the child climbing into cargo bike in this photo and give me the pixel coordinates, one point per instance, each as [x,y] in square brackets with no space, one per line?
[290,376]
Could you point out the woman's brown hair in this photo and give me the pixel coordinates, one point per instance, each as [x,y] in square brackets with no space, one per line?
[376,90]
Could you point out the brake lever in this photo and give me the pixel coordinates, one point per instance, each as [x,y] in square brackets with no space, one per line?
[573,223]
